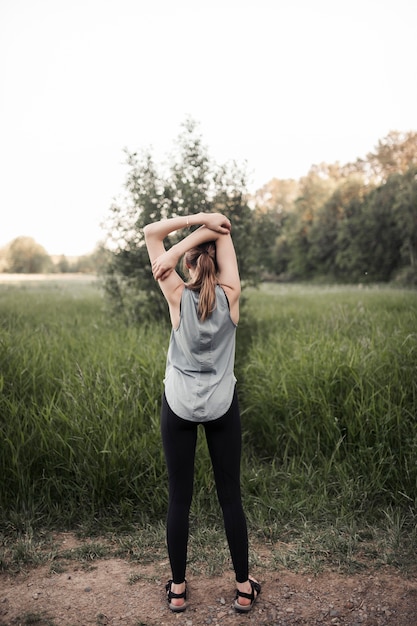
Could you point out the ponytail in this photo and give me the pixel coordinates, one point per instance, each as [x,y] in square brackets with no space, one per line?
[202,259]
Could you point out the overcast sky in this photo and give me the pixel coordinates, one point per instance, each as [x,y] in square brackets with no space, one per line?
[280,84]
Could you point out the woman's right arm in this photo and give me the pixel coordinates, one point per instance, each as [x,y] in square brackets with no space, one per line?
[228,275]
[214,225]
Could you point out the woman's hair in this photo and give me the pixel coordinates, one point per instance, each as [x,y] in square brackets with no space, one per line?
[202,259]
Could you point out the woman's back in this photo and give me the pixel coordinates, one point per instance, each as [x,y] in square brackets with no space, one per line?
[199,378]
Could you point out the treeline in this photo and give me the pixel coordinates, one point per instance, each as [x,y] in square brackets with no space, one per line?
[24,255]
[349,223]
[356,222]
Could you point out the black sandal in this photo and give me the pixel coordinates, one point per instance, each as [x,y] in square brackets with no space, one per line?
[171,594]
[245,608]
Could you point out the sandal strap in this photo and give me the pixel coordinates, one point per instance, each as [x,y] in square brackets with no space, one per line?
[255,586]
[250,596]
[172,594]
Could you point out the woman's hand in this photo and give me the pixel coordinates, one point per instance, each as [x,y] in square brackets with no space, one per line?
[164,264]
[217,222]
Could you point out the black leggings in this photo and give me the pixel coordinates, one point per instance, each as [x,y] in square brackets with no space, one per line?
[223,435]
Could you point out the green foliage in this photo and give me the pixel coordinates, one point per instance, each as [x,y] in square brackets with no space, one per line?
[323,236]
[192,183]
[405,210]
[314,191]
[383,241]
[351,251]
[266,231]
[351,223]
[374,241]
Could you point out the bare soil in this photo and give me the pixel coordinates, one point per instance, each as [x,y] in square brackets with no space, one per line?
[117,592]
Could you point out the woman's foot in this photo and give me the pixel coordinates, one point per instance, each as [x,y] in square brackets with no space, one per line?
[177,595]
[246,595]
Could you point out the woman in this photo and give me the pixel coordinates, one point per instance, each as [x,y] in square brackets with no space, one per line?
[200,386]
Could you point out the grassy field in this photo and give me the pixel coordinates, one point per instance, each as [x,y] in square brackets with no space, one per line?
[327,382]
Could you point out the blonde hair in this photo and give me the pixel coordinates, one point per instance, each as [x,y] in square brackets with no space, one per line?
[202,259]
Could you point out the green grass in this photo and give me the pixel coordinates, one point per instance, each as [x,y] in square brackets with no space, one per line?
[80,396]
[330,400]
[327,379]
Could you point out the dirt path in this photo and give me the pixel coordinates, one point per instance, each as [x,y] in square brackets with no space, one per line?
[117,592]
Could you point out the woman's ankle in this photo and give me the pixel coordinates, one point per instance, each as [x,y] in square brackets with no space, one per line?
[245,587]
[177,588]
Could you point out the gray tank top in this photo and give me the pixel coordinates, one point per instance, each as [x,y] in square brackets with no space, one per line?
[199,377]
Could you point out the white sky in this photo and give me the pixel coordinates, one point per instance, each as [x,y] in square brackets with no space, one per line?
[281,84]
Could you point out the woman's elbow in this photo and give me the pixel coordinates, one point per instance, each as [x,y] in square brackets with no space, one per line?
[148,231]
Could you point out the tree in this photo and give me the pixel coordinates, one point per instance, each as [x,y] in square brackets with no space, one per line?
[352,240]
[266,231]
[191,182]
[63,265]
[275,204]
[369,238]
[277,196]
[93,263]
[394,154]
[405,210]
[315,189]
[25,256]
[323,235]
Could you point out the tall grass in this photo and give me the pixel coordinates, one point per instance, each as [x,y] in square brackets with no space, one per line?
[79,401]
[330,401]
[327,384]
